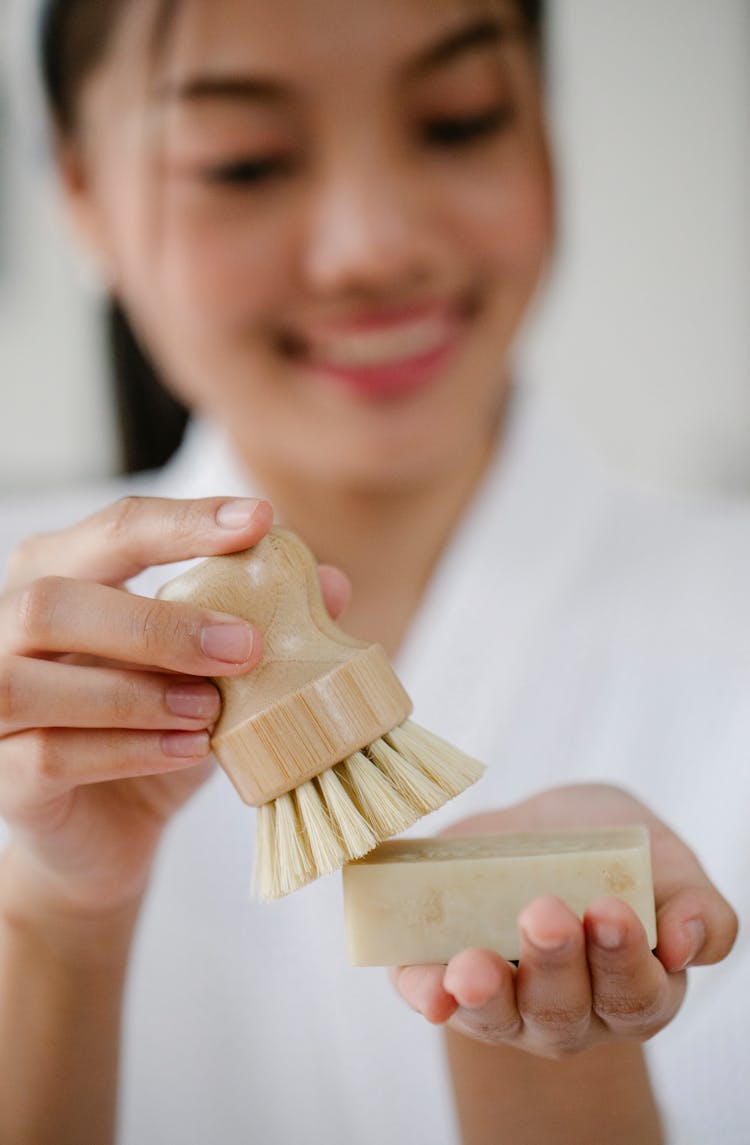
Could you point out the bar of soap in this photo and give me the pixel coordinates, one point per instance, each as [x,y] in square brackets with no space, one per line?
[423,900]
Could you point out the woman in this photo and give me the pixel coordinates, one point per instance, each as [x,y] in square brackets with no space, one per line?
[326,222]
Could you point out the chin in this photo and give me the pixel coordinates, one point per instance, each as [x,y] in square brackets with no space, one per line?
[395,467]
[322,435]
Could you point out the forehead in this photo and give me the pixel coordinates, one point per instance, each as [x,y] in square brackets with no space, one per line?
[296,36]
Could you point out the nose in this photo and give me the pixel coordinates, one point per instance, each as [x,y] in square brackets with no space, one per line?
[368,228]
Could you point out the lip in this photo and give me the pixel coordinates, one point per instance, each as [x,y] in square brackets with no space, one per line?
[386,353]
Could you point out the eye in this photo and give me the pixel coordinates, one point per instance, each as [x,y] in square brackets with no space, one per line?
[249,172]
[460,131]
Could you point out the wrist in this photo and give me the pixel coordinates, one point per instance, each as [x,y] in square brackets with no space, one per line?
[80,939]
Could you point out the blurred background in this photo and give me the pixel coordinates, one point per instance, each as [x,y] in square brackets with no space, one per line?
[644,333]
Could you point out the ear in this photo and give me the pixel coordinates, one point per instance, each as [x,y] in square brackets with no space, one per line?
[83,208]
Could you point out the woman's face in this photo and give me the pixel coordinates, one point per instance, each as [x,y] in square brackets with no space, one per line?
[326,220]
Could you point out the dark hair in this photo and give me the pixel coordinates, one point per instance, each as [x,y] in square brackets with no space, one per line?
[74,34]
[73,37]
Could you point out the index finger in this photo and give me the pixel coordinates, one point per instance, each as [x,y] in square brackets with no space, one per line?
[120,541]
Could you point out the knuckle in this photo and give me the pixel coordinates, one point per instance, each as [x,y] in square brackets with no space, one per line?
[562,1028]
[488,1031]
[560,1020]
[151,629]
[178,519]
[568,1037]
[630,1012]
[37,605]
[187,518]
[125,700]
[158,628]
[119,517]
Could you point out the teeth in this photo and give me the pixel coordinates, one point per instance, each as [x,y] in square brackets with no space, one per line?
[377,347]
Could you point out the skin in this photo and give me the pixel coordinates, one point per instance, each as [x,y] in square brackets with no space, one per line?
[240,288]
[103,736]
[367,216]
[584,996]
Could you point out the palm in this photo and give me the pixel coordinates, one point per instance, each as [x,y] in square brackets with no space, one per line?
[103,836]
[589,805]
[589,985]
[108,729]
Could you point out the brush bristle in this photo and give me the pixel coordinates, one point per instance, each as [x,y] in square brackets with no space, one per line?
[352,828]
[374,794]
[452,770]
[346,811]
[283,861]
[318,829]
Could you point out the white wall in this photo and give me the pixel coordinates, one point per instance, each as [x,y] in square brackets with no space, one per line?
[55,420]
[648,327]
[646,331]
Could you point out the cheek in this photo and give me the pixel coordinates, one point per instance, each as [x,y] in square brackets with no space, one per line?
[202,292]
[222,270]
[506,219]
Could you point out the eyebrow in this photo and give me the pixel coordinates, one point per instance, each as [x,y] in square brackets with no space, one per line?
[239,89]
[484,33]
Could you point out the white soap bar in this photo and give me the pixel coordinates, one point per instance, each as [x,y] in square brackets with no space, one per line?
[423,900]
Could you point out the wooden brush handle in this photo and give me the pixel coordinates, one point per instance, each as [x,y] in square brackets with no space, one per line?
[317,696]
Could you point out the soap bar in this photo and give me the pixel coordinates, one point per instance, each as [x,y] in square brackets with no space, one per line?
[423,900]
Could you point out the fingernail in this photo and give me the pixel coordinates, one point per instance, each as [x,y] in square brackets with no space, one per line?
[236,514]
[193,700]
[546,925]
[185,745]
[545,943]
[232,643]
[608,935]
[696,932]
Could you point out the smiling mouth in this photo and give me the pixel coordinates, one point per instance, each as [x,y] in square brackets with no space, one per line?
[380,353]
[379,347]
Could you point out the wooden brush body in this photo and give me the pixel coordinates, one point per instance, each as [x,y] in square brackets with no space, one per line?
[317,736]
[318,695]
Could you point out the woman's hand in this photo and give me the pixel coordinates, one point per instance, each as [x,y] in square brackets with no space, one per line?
[581,983]
[105,709]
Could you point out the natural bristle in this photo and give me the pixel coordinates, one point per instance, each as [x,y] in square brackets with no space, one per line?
[283,861]
[451,769]
[326,850]
[348,809]
[353,831]
[412,783]
[374,794]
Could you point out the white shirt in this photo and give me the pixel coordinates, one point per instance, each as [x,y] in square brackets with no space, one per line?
[574,630]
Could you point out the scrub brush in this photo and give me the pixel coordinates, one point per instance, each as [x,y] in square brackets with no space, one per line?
[317,737]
